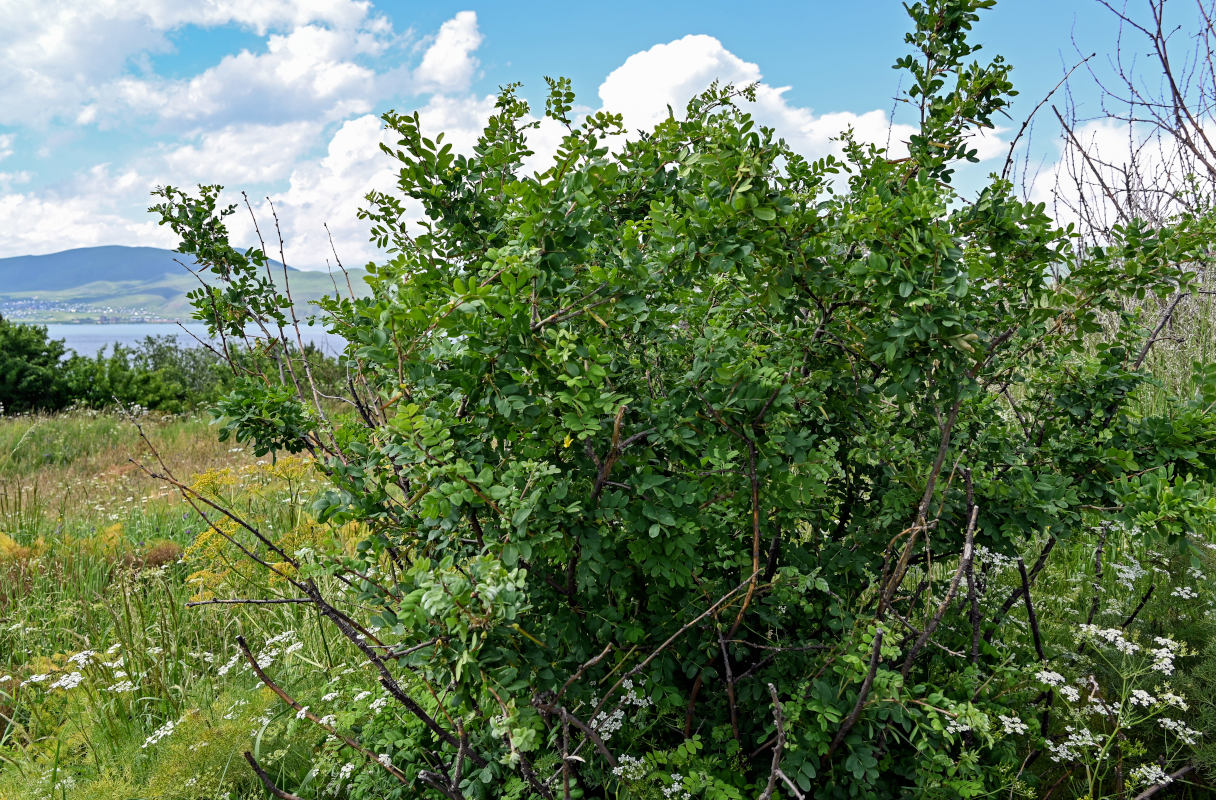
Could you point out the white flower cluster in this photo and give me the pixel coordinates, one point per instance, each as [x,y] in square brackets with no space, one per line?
[1184,592]
[1074,745]
[158,734]
[1112,636]
[232,709]
[1179,729]
[999,562]
[630,768]
[1127,574]
[69,681]
[1049,678]
[1163,654]
[954,726]
[608,723]
[1013,725]
[1149,775]
[676,790]
[83,658]
[122,687]
[1140,697]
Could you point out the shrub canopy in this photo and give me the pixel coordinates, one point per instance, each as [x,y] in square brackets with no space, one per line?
[676,454]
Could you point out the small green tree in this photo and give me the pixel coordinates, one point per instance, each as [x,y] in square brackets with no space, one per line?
[30,374]
[676,456]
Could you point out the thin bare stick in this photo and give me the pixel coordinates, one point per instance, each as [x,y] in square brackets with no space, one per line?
[303,710]
[248,602]
[963,565]
[778,748]
[862,694]
[266,780]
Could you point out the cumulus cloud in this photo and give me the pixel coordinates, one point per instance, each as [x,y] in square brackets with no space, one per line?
[39,222]
[330,189]
[241,154]
[58,59]
[448,64]
[6,145]
[668,75]
[304,74]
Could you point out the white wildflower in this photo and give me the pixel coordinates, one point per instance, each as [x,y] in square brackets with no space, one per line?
[70,681]
[121,687]
[1179,729]
[1049,678]
[1012,725]
[1141,698]
[159,733]
[222,671]
[630,768]
[1150,775]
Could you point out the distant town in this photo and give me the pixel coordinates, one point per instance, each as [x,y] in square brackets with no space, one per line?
[38,311]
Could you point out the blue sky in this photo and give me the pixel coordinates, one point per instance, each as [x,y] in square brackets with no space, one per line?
[103,101]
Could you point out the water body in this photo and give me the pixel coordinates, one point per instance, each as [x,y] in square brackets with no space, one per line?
[88,339]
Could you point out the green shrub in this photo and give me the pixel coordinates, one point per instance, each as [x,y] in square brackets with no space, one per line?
[30,377]
[676,458]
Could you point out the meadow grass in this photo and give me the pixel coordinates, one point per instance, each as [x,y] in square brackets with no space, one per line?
[110,687]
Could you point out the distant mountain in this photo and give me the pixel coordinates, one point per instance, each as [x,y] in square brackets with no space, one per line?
[122,284]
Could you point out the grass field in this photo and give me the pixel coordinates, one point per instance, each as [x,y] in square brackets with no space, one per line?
[110,687]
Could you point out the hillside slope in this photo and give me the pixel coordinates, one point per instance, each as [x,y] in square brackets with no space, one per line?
[122,284]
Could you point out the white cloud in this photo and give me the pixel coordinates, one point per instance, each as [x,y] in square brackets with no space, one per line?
[59,59]
[305,74]
[240,154]
[331,189]
[449,63]
[6,144]
[50,223]
[668,75]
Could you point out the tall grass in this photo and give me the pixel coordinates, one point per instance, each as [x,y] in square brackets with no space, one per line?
[110,687]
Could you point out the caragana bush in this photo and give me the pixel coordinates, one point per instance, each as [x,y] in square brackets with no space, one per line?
[675,458]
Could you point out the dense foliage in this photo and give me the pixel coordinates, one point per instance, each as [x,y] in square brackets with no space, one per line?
[691,467]
[29,368]
[159,373]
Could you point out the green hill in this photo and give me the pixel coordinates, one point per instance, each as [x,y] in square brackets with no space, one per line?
[124,284]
